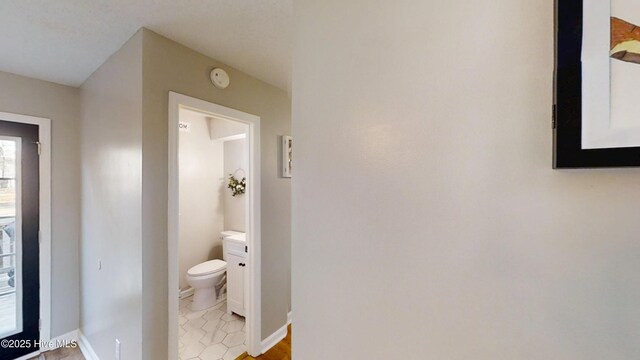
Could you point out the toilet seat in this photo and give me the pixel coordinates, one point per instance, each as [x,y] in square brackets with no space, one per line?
[208,267]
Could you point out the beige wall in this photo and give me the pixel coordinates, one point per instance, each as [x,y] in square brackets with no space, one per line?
[111,204]
[202,189]
[235,162]
[61,104]
[169,66]
[427,219]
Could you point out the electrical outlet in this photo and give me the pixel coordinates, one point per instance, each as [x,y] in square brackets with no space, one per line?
[117,349]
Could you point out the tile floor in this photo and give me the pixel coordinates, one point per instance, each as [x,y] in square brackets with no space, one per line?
[210,334]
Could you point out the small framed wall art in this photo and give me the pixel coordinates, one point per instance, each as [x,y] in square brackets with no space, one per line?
[596,120]
[287,152]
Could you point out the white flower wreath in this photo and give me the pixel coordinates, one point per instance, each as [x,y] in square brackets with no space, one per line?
[237,187]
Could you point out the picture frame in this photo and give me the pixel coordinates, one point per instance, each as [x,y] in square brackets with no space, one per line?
[287,156]
[584,135]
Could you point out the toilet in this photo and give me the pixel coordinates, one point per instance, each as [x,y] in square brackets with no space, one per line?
[208,279]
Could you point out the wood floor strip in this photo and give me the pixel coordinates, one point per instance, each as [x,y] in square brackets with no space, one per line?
[280,351]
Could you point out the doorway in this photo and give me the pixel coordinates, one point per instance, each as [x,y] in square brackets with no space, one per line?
[245,272]
[24,234]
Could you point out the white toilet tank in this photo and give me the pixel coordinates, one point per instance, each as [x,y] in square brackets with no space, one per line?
[223,235]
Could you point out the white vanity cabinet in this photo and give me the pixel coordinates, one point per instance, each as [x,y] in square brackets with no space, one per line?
[236,274]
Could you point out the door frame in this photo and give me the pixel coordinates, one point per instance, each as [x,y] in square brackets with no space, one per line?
[253,296]
[44,134]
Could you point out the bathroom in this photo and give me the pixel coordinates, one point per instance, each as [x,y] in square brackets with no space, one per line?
[213,174]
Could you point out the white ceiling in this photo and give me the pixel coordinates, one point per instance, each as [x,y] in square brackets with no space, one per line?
[64,41]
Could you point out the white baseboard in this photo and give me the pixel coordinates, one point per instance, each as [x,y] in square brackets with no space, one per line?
[55,343]
[61,341]
[289,318]
[85,347]
[273,339]
[186,293]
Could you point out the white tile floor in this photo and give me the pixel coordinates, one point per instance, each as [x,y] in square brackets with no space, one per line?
[210,334]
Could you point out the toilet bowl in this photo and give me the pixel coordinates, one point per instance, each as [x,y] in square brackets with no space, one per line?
[208,279]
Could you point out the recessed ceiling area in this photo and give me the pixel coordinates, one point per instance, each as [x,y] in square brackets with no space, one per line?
[65,41]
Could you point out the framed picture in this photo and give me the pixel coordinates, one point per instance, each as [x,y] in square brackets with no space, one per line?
[597,71]
[287,148]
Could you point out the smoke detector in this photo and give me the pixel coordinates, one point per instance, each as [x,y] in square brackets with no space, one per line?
[220,78]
